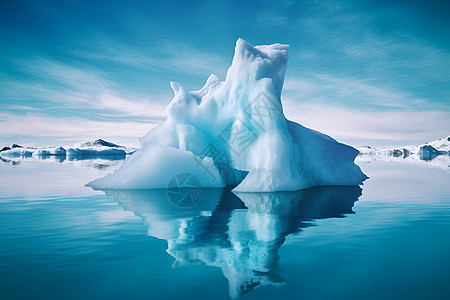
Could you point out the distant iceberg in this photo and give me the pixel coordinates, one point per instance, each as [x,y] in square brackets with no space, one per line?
[234,132]
[85,150]
[434,154]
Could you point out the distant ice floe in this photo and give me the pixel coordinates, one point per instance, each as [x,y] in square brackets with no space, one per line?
[434,154]
[98,153]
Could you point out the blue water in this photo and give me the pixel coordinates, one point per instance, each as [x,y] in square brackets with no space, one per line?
[61,240]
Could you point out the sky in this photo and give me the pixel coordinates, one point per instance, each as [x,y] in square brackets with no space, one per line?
[365,72]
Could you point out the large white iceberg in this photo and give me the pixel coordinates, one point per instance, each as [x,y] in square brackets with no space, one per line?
[234,132]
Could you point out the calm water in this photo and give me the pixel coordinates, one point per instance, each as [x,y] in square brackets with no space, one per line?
[61,240]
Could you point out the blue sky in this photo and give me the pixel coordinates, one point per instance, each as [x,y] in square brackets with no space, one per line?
[365,72]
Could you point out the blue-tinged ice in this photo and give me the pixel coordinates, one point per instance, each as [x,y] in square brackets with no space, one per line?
[234,132]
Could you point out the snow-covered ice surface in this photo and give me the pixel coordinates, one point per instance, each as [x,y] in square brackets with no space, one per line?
[234,132]
[433,154]
[98,148]
[98,153]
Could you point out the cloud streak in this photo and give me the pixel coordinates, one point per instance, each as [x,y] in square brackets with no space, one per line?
[71,88]
[372,44]
[375,128]
[31,127]
[320,88]
[178,57]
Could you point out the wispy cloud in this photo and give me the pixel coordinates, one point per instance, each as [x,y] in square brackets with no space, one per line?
[359,112]
[75,88]
[377,128]
[370,43]
[166,55]
[323,88]
[32,127]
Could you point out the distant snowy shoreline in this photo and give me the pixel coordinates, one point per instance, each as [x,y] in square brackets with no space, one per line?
[84,150]
[434,154]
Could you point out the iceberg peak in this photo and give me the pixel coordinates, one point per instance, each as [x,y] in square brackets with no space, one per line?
[256,63]
[234,132]
[176,87]
[243,50]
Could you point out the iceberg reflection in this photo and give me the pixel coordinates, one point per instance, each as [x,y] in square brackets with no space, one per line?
[240,233]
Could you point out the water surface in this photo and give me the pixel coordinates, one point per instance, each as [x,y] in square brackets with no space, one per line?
[61,240]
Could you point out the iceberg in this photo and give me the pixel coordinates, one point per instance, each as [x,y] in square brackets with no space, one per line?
[434,154]
[85,150]
[234,132]
[21,152]
[97,149]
